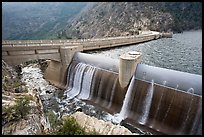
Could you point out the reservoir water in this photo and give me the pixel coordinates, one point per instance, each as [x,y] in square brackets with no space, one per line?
[182,52]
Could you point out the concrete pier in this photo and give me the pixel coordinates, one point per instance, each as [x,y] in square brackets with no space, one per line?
[166,34]
[60,52]
[56,72]
[128,62]
[15,52]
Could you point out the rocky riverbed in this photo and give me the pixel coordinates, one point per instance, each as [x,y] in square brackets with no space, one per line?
[22,107]
[48,98]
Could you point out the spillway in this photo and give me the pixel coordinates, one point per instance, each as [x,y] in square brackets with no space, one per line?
[96,84]
[159,100]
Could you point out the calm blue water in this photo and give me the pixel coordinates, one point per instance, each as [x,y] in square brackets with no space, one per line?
[182,52]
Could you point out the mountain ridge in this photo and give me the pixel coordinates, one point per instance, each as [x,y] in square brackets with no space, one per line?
[66,20]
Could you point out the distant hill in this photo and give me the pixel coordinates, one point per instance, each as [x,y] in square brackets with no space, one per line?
[105,19]
[65,20]
[37,20]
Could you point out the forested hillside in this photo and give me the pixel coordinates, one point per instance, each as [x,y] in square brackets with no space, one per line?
[65,20]
[120,18]
[37,20]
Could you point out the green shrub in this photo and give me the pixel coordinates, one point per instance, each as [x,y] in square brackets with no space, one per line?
[66,126]
[71,127]
[17,111]
[54,121]
[17,83]
[22,106]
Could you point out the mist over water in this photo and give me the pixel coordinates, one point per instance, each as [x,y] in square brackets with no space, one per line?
[182,52]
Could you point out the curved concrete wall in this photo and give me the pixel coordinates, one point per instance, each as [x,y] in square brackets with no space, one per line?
[170,78]
[163,110]
[97,61]
[25,50]
[150,101]
[99,87]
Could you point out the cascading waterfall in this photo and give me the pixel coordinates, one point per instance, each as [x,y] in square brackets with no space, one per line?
[82,81]
[70,77]
[75,90]
[147,104]
[87,82]
[150,100]
[94,85]
[126,103]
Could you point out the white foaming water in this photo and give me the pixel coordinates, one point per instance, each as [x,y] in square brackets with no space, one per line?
[86,83]
[190,90]
[125,107]
[70,79]
[164,83]
[177,86]
[146,104]
[75,90]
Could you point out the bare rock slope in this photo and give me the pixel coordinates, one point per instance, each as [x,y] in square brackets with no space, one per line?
[103,19]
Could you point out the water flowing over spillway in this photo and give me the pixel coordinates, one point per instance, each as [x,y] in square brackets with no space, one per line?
[82,81]
[95,85]
[126,103]
[157,104]
[160,102]
[146,104]
[164,109]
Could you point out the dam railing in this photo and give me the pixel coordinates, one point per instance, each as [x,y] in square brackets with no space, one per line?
[159,100]
[18,51]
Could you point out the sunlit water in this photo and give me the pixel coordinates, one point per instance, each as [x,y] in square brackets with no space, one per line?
[182,52]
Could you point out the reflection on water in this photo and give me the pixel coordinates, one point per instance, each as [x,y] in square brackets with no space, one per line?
[182,52]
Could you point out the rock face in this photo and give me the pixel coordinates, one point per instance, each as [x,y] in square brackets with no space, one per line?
[65,20]
[120,18]
[105,19]
[33,123]
[100,126]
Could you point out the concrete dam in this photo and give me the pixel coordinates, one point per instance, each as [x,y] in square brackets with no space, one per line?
[161,101]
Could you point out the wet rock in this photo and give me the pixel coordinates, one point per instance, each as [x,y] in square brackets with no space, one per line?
[132,128]
[18,69]
[79,109]
[47,91]
[8,72]
[17,90]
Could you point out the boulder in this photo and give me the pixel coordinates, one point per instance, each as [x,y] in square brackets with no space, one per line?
[101,127]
